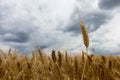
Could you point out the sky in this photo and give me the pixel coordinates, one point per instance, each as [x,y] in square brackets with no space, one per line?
[25,24]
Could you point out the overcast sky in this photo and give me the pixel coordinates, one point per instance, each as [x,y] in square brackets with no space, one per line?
[25,24]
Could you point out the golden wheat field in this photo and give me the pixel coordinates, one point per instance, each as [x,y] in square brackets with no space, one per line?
[58,66]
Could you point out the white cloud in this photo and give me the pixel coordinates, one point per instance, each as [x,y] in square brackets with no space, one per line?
[107,37]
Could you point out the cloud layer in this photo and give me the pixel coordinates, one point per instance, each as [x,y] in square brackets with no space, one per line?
[25,24]
[109,4]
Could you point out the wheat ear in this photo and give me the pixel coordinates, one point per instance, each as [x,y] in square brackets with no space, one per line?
[85,35]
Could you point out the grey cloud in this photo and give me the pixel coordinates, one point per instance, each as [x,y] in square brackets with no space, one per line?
[44,40]
[73,24]
[22,48]
[95,19]
[44,46]
[20,31]
[92,20]
[107,52]
[4,10]
[100,51]
[109,4]
[20,37]
[48,42]
[16,31]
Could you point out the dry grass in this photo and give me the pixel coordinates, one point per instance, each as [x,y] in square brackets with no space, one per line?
[60,67]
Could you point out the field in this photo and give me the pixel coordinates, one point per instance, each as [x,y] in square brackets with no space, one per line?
[58,66]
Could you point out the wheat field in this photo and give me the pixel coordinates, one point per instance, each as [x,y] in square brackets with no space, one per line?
[58,66]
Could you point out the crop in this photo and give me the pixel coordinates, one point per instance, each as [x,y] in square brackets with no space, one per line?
[58,66]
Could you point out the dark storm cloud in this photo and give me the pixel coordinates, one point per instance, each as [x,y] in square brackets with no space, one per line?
[109,4]
[44,46]
[19,37]
[95,19]
[20,31]
[92,20]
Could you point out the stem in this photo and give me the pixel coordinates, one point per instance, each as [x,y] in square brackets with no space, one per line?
[84,65]
[87,50]
[83,70]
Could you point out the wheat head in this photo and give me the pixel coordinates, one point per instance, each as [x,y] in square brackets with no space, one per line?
[85,35]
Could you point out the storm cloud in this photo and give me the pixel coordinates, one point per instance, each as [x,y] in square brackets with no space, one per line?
[92,20]
[19,37]
[109,4]
[17,31]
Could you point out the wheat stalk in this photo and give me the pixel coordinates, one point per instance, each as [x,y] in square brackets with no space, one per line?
[86,43]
